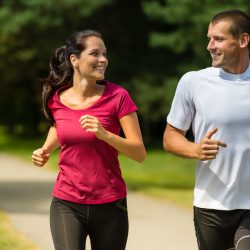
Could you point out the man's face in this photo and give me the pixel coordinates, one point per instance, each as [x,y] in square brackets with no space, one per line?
[223,47]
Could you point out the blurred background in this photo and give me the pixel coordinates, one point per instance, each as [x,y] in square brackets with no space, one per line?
[150,43]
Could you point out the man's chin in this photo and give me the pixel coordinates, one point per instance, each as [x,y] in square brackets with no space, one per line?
[216,64]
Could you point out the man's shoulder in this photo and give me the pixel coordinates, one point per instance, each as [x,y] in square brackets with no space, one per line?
[198,75]
[193,79]
[201,72]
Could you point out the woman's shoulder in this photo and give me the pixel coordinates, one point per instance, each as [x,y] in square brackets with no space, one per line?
[54,99]
[114,88]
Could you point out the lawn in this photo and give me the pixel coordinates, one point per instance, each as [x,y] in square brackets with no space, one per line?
[10,239]
[162,175]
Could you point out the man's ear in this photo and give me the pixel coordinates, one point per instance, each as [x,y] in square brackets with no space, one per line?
[244,40]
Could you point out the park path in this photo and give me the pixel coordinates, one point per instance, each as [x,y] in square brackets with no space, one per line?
[25,194]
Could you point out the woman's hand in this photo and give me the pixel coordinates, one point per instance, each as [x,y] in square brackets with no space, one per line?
[40,157]
[92,124]
[132,145]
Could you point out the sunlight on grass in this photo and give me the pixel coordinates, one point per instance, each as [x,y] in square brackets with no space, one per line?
[180,197]
[10,239]
[20,147]
[160,169]
[161,174]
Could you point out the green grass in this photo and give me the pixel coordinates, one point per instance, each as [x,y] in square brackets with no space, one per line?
[160,169]
[161,175]
[10,239]
[19,147]
[181,197]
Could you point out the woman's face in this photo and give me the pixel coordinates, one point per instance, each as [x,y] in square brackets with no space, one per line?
[92,62]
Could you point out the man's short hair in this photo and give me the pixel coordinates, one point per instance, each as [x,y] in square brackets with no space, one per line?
[240,21]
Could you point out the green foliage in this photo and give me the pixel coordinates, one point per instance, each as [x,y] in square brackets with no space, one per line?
[151,43]
[30,30]
[183,25]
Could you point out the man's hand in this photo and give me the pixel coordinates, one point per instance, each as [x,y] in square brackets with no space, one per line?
[207,149]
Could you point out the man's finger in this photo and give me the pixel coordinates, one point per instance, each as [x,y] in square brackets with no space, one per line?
[210,133]
[222,144]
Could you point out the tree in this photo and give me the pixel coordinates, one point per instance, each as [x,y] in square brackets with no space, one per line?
[29,31]
[150,43]
[177,41]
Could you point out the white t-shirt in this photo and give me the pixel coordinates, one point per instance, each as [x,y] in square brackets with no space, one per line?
[211,98]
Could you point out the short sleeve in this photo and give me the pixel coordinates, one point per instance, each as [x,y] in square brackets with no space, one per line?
[182,109]
[125,104]
[53,103]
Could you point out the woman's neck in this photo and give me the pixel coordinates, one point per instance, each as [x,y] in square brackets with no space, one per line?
[84,87]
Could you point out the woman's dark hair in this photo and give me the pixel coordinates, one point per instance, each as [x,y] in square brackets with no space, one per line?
[61,70]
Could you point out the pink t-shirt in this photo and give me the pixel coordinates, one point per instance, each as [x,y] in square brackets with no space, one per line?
[89,167]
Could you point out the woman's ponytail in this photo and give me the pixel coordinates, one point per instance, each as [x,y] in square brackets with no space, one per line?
[61,70]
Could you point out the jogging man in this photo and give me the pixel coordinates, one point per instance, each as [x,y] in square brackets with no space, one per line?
[215,102]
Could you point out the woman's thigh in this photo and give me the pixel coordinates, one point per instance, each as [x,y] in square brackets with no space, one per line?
[108,225]
[67,226]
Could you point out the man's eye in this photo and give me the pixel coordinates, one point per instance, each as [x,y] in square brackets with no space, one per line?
[219,39]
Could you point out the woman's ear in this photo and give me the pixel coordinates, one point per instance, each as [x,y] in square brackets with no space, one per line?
[73,60]
[244,40]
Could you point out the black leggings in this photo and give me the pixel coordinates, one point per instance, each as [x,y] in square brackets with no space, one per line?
[222,230]
[105,224]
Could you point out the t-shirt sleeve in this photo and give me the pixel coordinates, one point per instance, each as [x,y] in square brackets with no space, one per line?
[182,109]
[52,103]
[125,104]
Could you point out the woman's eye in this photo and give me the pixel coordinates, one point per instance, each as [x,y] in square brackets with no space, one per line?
[94,53]
[98,54]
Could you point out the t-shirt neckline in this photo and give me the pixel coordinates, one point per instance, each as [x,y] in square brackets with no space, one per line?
[231,76]
[105,83]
